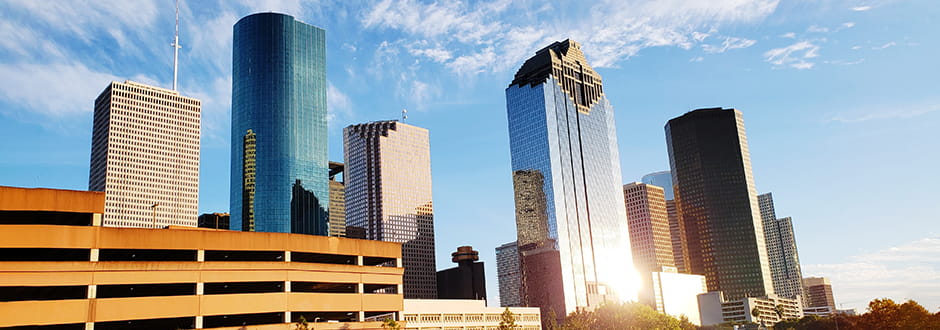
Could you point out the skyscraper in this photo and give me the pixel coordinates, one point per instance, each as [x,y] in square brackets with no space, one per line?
[781,250]
[145,156]
[572,237]
[680,250]
[388,193]
[279,133]
[650,239]
[337,201]
[508,274]
[717,202]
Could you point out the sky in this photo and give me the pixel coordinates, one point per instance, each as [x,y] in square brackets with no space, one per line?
[840,99]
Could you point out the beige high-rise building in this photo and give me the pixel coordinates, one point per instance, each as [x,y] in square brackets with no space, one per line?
[650,238]
[337,201]
[388,193]
[145,156]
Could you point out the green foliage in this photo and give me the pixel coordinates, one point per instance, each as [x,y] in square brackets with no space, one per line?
[301,324]
[507,320]
[622,316]
[882,314]
[390,324]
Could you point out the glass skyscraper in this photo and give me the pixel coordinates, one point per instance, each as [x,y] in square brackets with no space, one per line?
[572,230]
[717,202]
[680,251]
[280,170]
[781,250]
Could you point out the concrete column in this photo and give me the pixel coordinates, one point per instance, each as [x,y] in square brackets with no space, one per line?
[96,219]
[287,318]
[398,262]
[94,255]
[201,255]
[199,322]
[359,260]
[362,315]
[361,288]
[200,288]
[89,326]
[287,256]
[286,286]
[92,291]
[401,289]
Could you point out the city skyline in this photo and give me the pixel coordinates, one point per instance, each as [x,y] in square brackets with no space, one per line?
[799,132]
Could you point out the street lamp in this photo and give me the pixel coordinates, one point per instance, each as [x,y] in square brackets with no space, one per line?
[154,207]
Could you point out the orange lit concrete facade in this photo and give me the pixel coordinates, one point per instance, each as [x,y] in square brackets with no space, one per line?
[648,221]
[145,156]
[93,277]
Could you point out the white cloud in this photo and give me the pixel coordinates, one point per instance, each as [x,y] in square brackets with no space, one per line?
[856,47]
[439,55]
[610,31]
[338,104]
[729,43]
[898,113]
[697,59]
[794,55]
[290,7]
[907,271]
[848,25]
[56,90]
[887,45]
[843,62]
[861,8]
[817,29]
[82,19]
[788,35]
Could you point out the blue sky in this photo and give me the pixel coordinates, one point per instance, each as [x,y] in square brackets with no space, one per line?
[840,99]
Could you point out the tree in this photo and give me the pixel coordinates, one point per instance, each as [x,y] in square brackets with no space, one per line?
[622,316]
[756,314]
[301,324]
[779,309]
[390,324]
[507,320]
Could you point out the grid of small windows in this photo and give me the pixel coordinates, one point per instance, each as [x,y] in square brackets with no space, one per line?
[388,190]
[717,202]
[648,222]
[508,273]
[145,156]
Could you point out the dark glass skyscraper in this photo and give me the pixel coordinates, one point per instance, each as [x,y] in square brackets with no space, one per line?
[717,202]
[279,162]
[572,231]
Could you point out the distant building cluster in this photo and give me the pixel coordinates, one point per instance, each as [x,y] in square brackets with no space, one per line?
[354,241]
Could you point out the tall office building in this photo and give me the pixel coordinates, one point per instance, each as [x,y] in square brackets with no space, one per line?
[650,239]
[337,201]
[572,237]
[279,133]
[818,292]
[145,156]
[388,193]
[676,228]
[508,274]
[781,250]
[717,202]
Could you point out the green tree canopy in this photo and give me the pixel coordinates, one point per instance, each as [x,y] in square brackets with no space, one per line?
[623,316]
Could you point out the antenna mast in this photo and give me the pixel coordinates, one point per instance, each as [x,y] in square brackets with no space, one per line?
[176,45]
[404,114]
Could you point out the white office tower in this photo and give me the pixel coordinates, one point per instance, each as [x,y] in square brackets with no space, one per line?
[145,156]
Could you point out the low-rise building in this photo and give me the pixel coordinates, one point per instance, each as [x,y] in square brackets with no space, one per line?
[771,309]
[673,293]
[464,314]
[60,268]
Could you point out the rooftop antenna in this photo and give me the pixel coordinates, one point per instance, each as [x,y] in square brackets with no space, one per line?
[404,114]
[176,45]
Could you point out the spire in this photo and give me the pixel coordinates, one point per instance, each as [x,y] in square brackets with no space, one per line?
[176,45]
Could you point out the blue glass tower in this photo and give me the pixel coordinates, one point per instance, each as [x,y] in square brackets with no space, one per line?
[280,170]
[661,179]
[572,228]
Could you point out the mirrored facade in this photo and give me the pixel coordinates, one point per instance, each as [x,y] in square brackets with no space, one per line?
[573,239]
[279,133]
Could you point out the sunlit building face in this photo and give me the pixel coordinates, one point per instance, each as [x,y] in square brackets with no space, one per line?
[573,241]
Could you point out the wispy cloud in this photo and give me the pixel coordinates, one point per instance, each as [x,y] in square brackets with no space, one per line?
[794,56]
[885,115]
[887,45]
[844,62]
[848,25]
[906,271]
[697,59]
[729,43]
[861,8]
[481,38]
[817,29]
[788,35]
[338,105]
